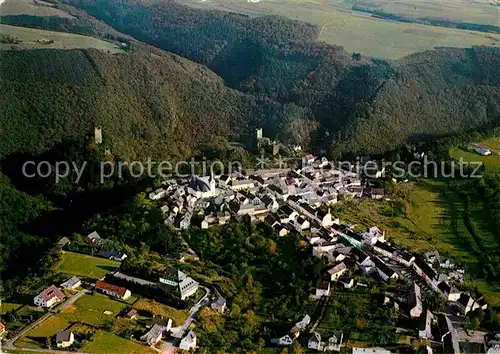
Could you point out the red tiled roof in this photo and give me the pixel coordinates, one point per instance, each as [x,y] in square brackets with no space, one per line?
[51,292]
[2,327]
[110,287]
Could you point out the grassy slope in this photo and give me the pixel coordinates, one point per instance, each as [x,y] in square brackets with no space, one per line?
[29,7]
[434,220]
[491,162]
[36,337]
[104,342]
[86,266]
[31,36]
[90,309]
[480,12]
[178,316]
[358,32]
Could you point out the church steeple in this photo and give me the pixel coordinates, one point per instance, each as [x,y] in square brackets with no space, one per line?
[212,181]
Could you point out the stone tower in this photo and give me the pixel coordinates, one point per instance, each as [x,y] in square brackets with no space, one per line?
[98,135]
[259,133]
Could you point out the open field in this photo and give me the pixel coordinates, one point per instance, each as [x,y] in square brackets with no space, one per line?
[178,316]
[86,266]
[9,306]
[37,38]
[492,162]
[422,228]
[36,337]
[90,309]
[104,342]
[481,12]
[356,31]
[433,219]
[30,7]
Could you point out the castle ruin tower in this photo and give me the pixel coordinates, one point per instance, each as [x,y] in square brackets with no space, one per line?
[98,135]
[259,133]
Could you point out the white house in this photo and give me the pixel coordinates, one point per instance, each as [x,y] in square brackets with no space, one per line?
[302,324]
[315,342]
[415,301]
[483,151]
[238,185]
[188,342]
[64,339]
[49,297]
[335,341]
[301,224]
[322,288]
[71,284]
[337,271]
[154,335]
[284,341]
[219,305]
[94,237]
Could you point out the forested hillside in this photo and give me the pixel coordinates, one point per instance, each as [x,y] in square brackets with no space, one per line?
[355,100]
[148,103]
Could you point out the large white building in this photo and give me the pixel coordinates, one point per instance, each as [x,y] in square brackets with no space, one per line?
[49,297]
[180,282]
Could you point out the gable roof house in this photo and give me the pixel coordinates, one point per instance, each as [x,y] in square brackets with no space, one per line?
[113,255]
[64,339]
[303,323]
[315,342]
[385,272]
[415,301]
[347,282]
[480,304]
[326,219]
[450,292]
[322,288]
[465,303]
[287,214]
[335,341]
[337,271]
[426,272]
[271,204]
[112,290]
[219,305]
[188,342]
[94,237]
[425,325]
[284,341]
[301,224]
[49,297]
[179,282]
[63,242]
[71,284]
[132,314]
[404,257]
[384,249]
[449,335]
[154,335]
[320,249]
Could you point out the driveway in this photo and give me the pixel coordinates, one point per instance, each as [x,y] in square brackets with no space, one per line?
[10,344]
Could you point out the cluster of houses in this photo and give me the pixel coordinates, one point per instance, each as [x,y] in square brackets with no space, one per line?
[345,248]
[297,201]
[214,200]
[96,240]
